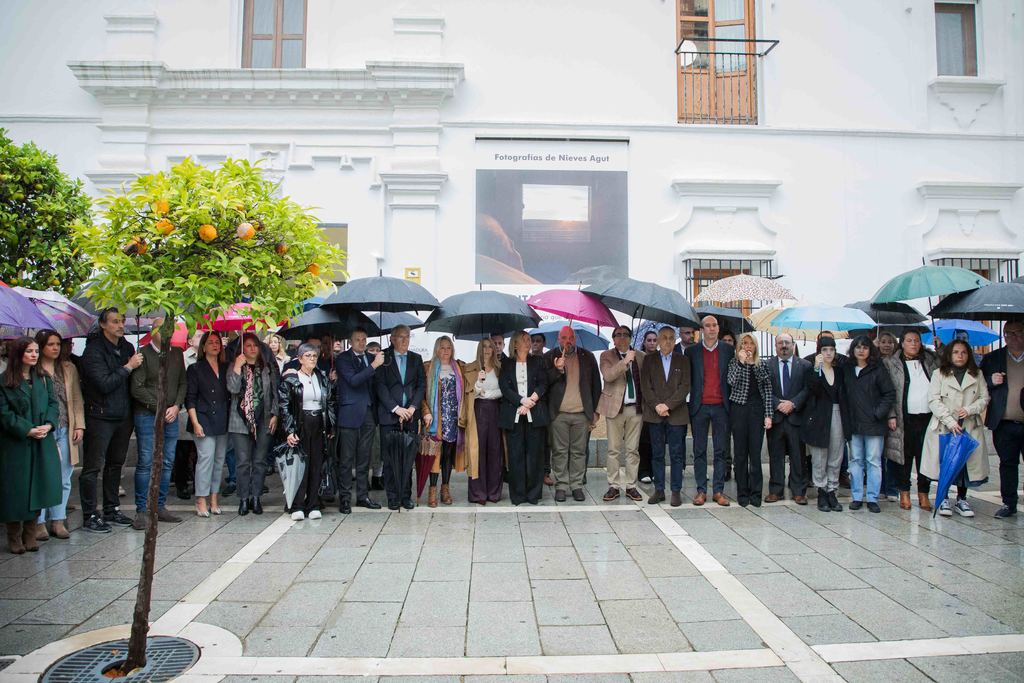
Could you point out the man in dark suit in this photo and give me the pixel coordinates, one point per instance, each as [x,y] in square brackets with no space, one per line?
[1004,374]
[789,389]
[498,339]
[709,407]
[574,389]
[356,420]
[400,387]
[665,381]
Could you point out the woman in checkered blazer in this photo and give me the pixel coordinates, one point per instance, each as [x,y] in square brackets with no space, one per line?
[750,415]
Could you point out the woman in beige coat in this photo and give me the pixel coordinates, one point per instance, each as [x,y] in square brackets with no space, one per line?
[957,397]
[485,449]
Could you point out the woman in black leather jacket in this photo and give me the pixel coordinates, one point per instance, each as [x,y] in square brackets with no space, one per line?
[307,416]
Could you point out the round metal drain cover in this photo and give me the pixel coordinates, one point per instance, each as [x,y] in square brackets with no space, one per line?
[166,658]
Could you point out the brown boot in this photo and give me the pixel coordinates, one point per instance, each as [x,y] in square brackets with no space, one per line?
[904,500]
[58,529]
[14,538]
[446,495]
[923,502]
[28,535]
[432,497]
[41,533]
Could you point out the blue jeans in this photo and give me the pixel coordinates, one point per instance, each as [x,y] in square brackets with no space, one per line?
[232,463]
[145,424]
[866,454]
[59,512]
[717,417]
[675,436]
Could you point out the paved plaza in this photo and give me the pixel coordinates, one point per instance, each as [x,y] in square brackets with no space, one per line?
[568,592]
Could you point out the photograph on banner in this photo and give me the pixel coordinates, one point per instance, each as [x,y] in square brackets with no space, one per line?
[550,211]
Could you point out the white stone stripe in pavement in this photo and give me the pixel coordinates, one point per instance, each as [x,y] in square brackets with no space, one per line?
[801,659]
[929,647]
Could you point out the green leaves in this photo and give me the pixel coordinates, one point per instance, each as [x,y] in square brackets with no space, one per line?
[38,206]
[156,249]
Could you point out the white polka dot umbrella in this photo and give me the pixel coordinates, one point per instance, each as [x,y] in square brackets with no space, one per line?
[744,288]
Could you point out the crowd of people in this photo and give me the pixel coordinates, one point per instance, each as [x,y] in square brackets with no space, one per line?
[868,420]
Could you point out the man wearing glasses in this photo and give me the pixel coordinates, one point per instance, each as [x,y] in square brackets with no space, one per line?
[1004,374]
[623,414]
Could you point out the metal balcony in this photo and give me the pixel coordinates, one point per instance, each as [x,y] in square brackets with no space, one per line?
[717,79]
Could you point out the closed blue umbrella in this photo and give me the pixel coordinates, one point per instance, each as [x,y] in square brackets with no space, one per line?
[586,335]
[977,333]
[954,452]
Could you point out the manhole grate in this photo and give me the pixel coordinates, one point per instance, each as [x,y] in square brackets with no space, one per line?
[166,658]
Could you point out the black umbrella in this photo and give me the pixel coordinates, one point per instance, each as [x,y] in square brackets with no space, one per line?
[998,301]
[381,294]
[474,315]
[386,322]
[640,299]
[891,314]
[317,322]
[730,318]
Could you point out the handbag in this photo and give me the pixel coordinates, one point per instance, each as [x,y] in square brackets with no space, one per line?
[430,445]
[328,480]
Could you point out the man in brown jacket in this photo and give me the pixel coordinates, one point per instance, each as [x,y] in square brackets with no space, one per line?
[665,382]
[622,408]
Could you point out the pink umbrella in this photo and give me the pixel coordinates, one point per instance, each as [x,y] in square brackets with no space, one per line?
[238,317]
[574,305]
[179,338]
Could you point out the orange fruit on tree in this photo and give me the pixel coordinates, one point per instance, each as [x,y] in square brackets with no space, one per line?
[245,231]
[281,248]
[313,269]
[207,232]
[161,206]
[164,227]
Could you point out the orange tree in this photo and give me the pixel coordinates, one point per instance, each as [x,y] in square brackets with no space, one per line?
[190,242]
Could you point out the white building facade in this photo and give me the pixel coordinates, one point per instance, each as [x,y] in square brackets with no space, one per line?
[529,144]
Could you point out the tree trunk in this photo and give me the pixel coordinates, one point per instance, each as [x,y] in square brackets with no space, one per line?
[140,622]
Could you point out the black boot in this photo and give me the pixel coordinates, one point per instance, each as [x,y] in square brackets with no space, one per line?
[823,505]
[243,507]
[257,506]
[833,502]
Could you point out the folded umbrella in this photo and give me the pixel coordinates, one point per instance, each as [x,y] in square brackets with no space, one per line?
[640,299]
[476,314]
[587,337]
[998,301]
[291,465]
[977,333]
[398,450]
[954,452]
[573,304]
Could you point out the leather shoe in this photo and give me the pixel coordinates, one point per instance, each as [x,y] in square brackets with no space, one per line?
[611,494]
[634,494]
[345,507]
[408,504]
[393,506]
[578,495]
[164,515]
[856,504]
[677,499]
[257,506]
[721,499]
[800,500]
[656,497]
[368,503]
[559,496]
[243,507]
[700,498]
[771,498]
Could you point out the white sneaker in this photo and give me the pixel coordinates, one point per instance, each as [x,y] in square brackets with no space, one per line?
[315,514]
[945,509]
[963,508]
[298,515]
[645,480]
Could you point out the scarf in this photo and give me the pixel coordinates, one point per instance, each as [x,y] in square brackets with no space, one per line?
[252,397]
[434,397]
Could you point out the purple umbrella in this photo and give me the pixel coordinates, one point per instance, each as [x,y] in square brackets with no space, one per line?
[18,314]
[65,316]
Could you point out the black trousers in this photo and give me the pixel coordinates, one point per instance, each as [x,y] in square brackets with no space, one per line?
[307,498]
[747,422]
[1009,441]
[526,463]
[184,465]
[644,448]
[354,449]
[106,445]
[915,427]
[783,440]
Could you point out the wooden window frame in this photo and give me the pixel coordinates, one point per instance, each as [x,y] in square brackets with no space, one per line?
[278,36]
[969,25]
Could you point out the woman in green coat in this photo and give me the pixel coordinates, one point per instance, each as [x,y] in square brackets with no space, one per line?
[30,478]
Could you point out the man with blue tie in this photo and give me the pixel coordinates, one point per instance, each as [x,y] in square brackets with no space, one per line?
[400,386]
[709,408]
[356,421]
[788,373]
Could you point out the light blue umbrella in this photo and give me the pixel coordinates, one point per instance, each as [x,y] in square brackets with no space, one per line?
[835,318]
[586,335]
[977,333]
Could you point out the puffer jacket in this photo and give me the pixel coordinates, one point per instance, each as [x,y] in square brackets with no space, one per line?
[897,367]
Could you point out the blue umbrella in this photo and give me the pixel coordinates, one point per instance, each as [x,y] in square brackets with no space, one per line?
[977,333]
[836,318]
[586,335]
[954,451]
[18,315]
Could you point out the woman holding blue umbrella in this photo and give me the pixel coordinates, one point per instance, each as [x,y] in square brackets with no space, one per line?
[957,397]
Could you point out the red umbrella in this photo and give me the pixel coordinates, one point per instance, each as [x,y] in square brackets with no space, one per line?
[238,317]
[429,450]
[574,305]
[179,338]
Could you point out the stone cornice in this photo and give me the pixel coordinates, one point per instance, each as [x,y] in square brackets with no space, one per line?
[951,189]
[703,187]
[413,189]
[381,85]
[965,84]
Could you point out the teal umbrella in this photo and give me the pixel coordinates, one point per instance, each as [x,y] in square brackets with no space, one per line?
[838,318]
[928,281]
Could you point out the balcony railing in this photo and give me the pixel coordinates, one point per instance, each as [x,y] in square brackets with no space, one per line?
[717,79]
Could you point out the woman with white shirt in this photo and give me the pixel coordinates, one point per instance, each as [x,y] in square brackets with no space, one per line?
[485,452]
[911,369]
[524,418]
[307,417]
